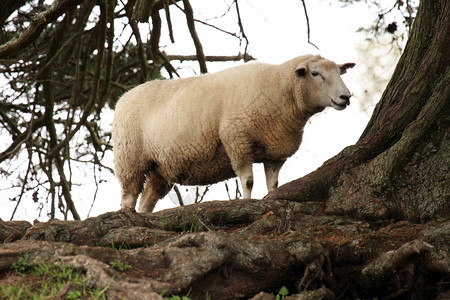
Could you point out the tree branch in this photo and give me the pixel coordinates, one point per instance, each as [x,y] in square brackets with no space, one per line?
[7,8]
[218,58]
[198,45]
[307,24]
[140,50]
[241,27]
[169,21]
[154,41]
[38,24]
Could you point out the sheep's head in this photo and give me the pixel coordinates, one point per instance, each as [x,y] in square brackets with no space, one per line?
[324,83]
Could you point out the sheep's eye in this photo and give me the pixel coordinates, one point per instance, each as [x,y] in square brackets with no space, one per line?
[315,74]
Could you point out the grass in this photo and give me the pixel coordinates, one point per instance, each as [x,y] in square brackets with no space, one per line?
[123,246]
[46,280]
[189,225]
[119,265]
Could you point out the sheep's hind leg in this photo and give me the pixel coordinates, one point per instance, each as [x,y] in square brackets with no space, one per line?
[272,169]
[155,188]
[130,191]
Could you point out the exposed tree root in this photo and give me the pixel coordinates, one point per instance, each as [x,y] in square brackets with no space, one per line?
[263,246]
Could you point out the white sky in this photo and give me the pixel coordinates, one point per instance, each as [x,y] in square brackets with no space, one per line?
[276,34]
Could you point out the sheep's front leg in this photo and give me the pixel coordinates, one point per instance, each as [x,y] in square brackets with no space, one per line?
[272,169]
[239,151]
[245,174]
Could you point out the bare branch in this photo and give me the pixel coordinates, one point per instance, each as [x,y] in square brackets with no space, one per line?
[218,58]
[142,10]
[169,21]
[217,28]
[241,27]
[180,198]
[38,24]
[141,52]
[307,24]
[25,180]
[154,40]
[198,45]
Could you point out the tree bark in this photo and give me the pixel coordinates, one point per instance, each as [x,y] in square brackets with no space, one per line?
[258,245]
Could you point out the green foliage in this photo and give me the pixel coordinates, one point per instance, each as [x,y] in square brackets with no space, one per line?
[47,280]
[22,265]
[187,225]
[283,292]
[123,246]
[121,266]
[16,291]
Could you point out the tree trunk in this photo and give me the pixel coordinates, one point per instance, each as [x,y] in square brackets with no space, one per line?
[399,168]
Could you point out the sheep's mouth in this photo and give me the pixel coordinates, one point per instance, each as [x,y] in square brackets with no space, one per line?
[342,105]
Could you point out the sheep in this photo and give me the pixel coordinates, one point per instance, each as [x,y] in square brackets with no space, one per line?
[205,129]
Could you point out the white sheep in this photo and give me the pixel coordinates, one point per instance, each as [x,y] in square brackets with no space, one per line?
[208,128]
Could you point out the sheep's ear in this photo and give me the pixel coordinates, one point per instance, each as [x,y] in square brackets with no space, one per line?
[300,72]
[346,66]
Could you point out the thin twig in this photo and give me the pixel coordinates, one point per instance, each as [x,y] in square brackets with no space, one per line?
[307,25]
[25,180]
[177,191]
[95,192]
[241,27]
[216,28]
[228,191]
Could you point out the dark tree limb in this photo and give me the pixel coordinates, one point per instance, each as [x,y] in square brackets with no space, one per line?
[7,7]
[169,21]
[198,45]
[38,23]
[154,41]
[240,56]
[141,52]
[142,10]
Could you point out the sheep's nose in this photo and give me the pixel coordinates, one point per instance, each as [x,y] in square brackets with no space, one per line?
[345,97]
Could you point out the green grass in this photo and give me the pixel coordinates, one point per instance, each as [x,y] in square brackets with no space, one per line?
[123,246]
[189,225]
[44,280]
[121,266]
